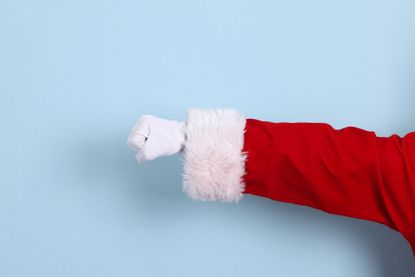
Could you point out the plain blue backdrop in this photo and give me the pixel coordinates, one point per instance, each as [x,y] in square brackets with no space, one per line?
[76,75]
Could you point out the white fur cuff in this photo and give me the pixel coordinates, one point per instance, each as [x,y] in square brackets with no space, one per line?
[214,163]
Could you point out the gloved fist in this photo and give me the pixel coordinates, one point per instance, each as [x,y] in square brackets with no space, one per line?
[153,137]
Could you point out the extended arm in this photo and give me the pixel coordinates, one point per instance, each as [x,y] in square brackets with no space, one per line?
[350,171]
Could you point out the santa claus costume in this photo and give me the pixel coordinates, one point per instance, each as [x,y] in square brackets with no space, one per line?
[349,171]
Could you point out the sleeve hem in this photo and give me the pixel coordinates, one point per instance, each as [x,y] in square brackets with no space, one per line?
[214,164]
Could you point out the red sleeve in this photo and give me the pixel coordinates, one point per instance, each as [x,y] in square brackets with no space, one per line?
[350,171]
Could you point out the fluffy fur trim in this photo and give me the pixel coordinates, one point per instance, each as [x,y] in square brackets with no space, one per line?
[214,163]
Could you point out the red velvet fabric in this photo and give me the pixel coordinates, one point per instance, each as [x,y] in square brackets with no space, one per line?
[350,171]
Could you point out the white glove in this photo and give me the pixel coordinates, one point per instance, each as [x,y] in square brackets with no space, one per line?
[153,137]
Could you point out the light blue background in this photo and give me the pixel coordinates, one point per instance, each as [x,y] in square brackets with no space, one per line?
[75,76]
